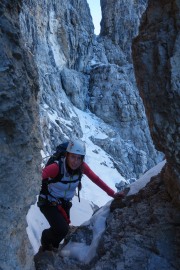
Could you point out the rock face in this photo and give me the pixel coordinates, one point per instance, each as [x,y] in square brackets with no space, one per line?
[115,99]
[19,140]
[120,22]
[156,54]
[113,95]
[59,36]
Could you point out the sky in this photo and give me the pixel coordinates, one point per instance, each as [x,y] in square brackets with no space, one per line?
[90,194]
[96,14]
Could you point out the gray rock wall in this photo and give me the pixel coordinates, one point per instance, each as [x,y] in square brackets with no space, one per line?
[59,35]
[113,92]
[156,54]
[120,22]
[115,99]
[19,140]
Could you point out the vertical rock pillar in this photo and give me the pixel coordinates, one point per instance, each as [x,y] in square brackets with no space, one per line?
[19,140]
[156,56]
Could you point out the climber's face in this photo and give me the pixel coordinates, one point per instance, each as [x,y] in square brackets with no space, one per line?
[74,161]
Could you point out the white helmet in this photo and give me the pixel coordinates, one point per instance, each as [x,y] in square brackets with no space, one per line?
[76,147]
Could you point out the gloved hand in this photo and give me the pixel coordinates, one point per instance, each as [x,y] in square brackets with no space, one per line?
[122,194]
[44,187]
[119,195]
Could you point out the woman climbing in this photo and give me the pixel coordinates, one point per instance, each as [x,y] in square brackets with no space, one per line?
[59,182]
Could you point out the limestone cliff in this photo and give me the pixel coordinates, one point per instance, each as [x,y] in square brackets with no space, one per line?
[120,23]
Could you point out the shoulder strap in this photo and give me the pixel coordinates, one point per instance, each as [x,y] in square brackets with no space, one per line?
[60,174]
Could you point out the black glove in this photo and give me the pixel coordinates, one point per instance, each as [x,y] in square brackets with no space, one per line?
[44,187]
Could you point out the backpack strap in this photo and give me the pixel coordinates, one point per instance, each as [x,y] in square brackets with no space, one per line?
[79,188]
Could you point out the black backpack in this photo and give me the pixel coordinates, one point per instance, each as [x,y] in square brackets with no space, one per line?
[60,153]
[57,158]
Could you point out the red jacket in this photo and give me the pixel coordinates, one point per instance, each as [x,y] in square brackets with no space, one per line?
[53,170]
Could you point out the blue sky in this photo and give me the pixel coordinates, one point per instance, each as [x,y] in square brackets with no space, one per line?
[96,14]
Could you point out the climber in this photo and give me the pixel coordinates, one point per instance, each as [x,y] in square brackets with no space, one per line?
[56,195]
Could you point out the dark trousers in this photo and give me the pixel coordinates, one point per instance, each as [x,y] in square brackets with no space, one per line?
[58,226]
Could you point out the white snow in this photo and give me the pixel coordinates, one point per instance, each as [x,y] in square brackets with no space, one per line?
[59,57]
[84,252]
[90,194]
[144,179]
